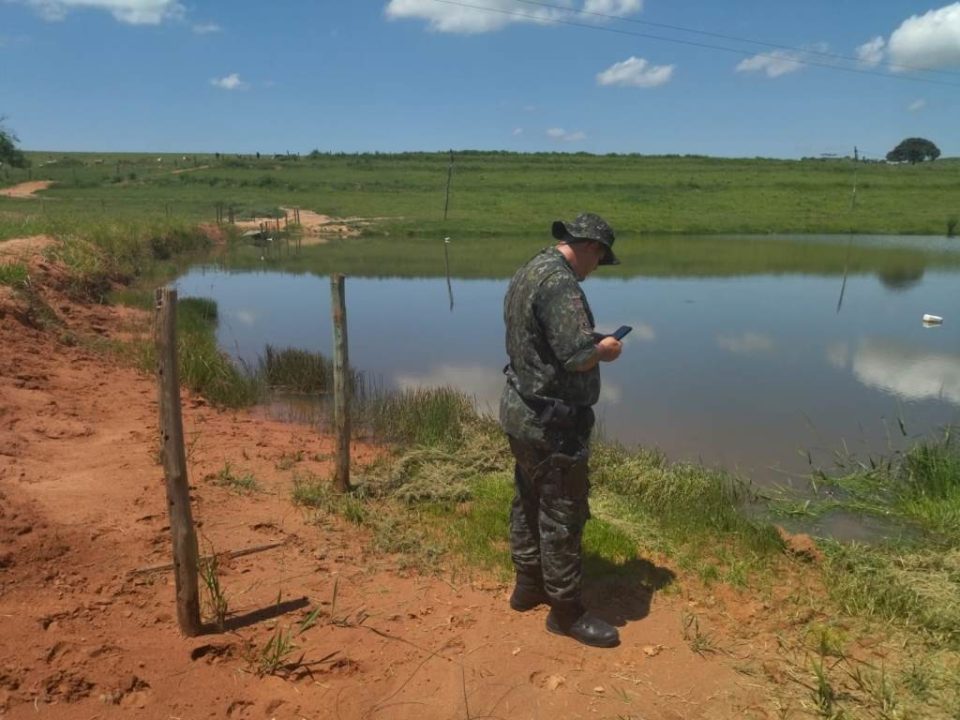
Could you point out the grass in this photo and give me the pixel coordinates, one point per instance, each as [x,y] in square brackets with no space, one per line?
[13,274]
[920,487]
[204,368]
[243,483]
[209,570]
[508,194]
[420,416]
[295,370]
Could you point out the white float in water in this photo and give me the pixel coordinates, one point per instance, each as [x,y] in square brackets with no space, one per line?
[932,319]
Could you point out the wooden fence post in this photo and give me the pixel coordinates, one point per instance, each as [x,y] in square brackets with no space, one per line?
[341,389]
[185,552]
[446,197]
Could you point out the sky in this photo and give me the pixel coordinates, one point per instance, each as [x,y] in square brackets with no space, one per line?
[741,78]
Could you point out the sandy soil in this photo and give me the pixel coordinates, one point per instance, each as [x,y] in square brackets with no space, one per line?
[82,505]
[317,228]
[25,189]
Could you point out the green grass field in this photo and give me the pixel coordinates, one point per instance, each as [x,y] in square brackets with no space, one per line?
[507,194]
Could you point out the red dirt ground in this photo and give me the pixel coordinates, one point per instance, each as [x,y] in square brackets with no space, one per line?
[25,189]
[82,504]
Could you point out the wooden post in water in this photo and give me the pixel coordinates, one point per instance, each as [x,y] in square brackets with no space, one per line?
[341,389]
[185,553]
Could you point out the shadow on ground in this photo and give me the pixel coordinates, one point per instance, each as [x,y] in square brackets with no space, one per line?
[622,592]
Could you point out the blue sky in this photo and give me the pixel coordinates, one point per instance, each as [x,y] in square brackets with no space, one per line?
[393,75]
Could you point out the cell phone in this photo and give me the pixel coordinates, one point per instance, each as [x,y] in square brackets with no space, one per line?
[621,332]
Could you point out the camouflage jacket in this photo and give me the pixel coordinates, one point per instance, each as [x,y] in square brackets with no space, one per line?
[549,333]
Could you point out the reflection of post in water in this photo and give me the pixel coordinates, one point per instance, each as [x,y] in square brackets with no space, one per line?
[446,260]
[846,267]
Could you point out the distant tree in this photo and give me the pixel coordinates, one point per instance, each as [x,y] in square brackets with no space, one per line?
[10,154]
[914,150]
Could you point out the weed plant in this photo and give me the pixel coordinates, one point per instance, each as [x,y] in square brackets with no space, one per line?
[13,275]
[209,570]
[243,483]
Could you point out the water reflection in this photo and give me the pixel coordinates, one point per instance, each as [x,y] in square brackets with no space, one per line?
[483,383]
[907,372]
[748,371]
[746,343]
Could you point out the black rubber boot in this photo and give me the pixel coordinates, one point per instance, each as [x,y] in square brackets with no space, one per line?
[527,594]
[582,627]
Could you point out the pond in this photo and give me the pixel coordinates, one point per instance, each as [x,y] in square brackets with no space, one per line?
[761,373]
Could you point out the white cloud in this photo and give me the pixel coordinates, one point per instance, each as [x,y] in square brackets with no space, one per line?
[907,372]
[774,64]
[611,393]
[931,40]
[644,332]
[529,108]
[870,54]
[480,382]
[206,28]
[917,105]
[229,82]
[497,14]
[132,12]
[635,72]
[613,7]
[562,135]
[746,343]
[838,354]
[517,131]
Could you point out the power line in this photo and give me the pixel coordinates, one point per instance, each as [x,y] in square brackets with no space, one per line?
[693,43]
[706,33]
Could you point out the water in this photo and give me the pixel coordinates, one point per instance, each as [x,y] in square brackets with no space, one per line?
[758,374]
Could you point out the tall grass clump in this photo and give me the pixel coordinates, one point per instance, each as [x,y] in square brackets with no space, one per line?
[930,490]
[918,588]
[686,500]
[204,368]
[419,416]
[296,370]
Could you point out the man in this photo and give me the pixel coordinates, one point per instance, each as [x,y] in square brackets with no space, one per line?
[553,379]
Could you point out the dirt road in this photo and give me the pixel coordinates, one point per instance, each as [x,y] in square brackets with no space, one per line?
[25,189]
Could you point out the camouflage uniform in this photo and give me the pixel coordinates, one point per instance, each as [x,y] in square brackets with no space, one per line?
[546,412]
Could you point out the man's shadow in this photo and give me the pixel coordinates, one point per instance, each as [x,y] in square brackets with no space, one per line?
[622,592]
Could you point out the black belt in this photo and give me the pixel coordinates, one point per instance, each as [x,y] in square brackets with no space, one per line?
[553,412]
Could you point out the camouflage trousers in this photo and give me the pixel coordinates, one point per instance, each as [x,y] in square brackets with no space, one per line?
[548,513]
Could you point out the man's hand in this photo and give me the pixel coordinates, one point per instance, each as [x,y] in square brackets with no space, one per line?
[609,349]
